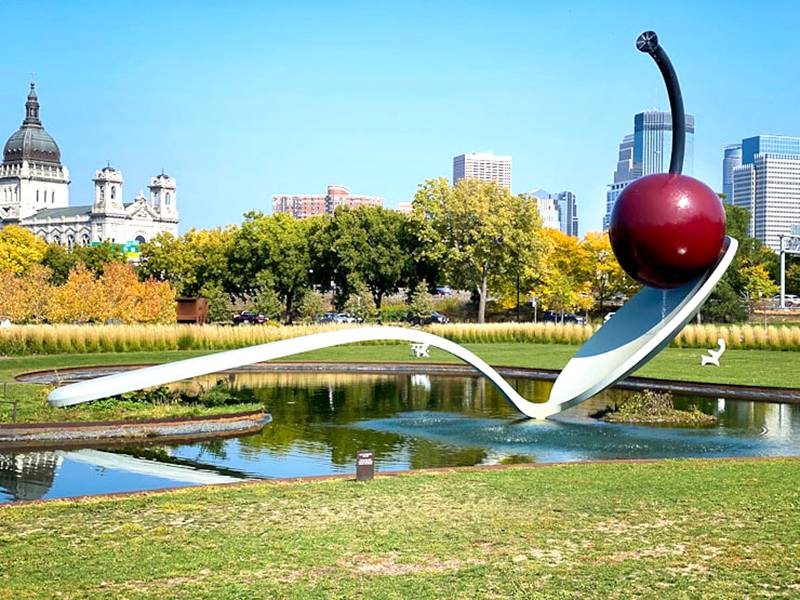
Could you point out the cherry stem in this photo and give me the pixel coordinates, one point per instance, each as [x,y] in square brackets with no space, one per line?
[648,42]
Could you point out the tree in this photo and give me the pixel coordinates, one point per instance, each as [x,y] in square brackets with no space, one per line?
[725,305]
[360,303]
[272,249]
[98,256]
[757,284]
[266,302]
[606,277]
[793,278]
[366,246]
[312,306]
[740,278]
[218,302]
[477,230]
[79,300]
[60,261]
[19,249]
[421,305]
[24,297]
[565,275]
[188,262]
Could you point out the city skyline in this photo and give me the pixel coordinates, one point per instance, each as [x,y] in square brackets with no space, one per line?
[237,117]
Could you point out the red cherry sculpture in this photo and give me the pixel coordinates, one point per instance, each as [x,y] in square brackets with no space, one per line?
[667,229]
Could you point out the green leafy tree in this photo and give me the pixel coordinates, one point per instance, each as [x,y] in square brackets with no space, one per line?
[266,302]
[360,303]
[219,310]
[272,248]
[189,262]
[725,305]
[366,246]
[478,231]
[60,261]
[312,306]
[421,304]
[96,257]
[793,278]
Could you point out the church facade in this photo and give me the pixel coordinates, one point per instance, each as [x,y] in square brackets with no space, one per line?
[34,193]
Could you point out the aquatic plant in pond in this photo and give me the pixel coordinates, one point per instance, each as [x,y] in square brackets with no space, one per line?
[649,406]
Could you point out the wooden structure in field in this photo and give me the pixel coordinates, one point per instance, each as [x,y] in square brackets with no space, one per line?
[192,310]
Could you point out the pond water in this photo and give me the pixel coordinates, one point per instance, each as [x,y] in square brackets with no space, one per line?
[320,421]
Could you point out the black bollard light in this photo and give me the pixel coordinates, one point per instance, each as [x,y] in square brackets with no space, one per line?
[365,465]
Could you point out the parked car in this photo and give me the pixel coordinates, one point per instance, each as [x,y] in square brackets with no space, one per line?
[551,316]
[332,317]
[435,317]
[444,290]
[248,317]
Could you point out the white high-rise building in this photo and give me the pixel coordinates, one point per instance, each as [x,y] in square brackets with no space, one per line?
[548,208]
[484,166]
[769,188]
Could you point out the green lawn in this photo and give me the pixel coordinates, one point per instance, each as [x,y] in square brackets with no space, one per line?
[752,367]
[699,529]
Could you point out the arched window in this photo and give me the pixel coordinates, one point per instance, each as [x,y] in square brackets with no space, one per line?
[70,241]
[113,192]
[167,199]
[53,197]
[37,196]
[85,239]
[140,239]
[57,239]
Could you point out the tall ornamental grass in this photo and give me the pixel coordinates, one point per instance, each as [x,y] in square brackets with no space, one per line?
[20,340]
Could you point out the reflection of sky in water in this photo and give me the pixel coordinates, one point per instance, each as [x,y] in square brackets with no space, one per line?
[321,420]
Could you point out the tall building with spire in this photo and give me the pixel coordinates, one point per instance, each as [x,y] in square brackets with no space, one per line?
[34,193]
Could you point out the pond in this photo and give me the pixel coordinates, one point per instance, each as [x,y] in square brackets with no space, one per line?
[410,421]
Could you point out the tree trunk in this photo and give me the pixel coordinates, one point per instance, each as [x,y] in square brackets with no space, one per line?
[482,293]
[289,307]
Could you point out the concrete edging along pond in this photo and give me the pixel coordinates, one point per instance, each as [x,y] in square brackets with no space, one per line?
[28,436]
[697,388]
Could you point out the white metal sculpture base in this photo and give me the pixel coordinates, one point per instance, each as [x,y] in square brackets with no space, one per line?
[629,339]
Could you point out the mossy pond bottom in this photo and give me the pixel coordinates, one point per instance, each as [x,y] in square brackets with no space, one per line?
[320,421]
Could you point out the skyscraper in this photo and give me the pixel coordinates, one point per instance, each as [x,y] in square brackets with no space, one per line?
[731,160]
[652,142]
[769,144]
[626,172]
[567,213]
[484,166]
[767,184]
[647,151]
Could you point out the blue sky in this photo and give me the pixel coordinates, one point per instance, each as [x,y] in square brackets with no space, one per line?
[242,100]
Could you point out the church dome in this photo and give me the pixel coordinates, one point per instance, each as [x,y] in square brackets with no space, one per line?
[31,141]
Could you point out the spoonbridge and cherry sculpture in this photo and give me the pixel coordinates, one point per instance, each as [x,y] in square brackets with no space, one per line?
[667,232]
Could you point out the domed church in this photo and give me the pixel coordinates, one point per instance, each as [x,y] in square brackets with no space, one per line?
[34,193]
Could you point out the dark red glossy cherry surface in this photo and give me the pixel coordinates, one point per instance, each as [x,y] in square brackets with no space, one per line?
[667,229]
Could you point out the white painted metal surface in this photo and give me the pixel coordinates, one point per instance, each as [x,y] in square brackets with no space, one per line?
[636,333]
[629,339]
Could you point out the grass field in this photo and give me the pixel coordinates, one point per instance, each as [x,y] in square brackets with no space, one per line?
[681,529]
[751,367]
